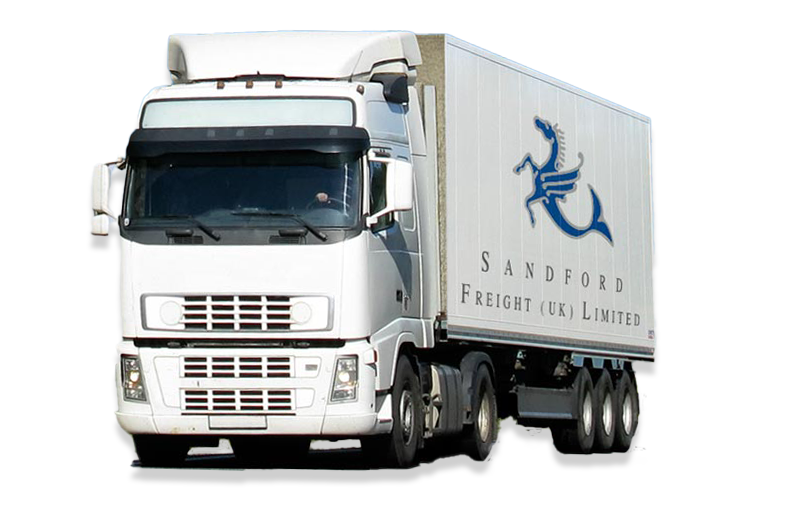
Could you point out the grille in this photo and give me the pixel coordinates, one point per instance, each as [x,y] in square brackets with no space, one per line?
[237,367]
[237,401]
[237,313]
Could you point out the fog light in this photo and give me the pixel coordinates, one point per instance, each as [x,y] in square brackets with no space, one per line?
[345,383]
[171,313]
[132,379]
[301,313]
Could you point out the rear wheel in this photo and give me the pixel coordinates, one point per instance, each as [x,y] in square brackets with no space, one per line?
[605,421]
[479,437]
[626,412]
[577,436]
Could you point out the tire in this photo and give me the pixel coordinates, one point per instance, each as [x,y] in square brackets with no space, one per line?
[161,450]
[627,410]
[605,420]
[479,437]
[577,436]
[400,447]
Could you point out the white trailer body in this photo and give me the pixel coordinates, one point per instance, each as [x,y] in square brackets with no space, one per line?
[379,236]
[545,273]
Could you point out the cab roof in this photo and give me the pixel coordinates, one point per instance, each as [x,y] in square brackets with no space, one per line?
[317,55]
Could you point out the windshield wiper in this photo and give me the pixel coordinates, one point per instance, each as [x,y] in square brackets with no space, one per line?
[259,213]
[208,231]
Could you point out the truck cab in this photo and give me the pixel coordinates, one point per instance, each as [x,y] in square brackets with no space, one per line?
[262,212]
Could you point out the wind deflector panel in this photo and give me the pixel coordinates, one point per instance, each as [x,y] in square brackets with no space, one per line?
[155,142]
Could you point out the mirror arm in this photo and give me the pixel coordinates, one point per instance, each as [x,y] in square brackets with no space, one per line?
[374,218]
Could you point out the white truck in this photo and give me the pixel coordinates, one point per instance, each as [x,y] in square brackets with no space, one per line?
[377,236]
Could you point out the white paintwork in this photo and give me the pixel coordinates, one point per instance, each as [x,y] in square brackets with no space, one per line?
[491,104]
[332,55]
[424,158]
[161,274]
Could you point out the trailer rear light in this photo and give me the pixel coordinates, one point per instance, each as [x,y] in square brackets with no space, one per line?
[132,379]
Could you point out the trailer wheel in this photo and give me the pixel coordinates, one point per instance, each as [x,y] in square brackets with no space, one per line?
[400,447]
[626,412]
[605,420]
[479,437]
[577,436]
[160,450]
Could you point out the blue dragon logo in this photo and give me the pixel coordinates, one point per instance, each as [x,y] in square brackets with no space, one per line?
[551,185]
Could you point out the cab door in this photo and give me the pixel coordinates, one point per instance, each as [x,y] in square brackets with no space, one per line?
[394,262]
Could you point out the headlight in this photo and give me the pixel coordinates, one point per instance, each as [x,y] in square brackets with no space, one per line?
[345,383]
[132,379]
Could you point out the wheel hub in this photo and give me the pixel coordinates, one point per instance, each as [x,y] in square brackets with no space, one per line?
[484,416]
[588,414]
[627,414]
[406,410]
[607,414]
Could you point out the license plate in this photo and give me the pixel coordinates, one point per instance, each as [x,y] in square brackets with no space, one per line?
[238,422]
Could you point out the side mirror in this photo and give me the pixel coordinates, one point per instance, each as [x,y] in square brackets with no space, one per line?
[394,86]
[100,201]
[100,224]
[398,188]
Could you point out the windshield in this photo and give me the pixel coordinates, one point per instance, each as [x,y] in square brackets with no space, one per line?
[245,190]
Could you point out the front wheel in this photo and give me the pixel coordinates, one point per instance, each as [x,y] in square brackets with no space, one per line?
[400,447]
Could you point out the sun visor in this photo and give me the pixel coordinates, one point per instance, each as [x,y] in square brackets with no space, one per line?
[155,142]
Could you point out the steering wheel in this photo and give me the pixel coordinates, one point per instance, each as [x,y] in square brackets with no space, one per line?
[334,203]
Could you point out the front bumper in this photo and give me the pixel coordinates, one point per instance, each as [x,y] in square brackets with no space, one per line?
[309,425]
[295,401]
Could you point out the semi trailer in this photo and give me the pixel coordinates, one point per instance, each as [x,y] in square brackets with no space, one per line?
[381,236]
